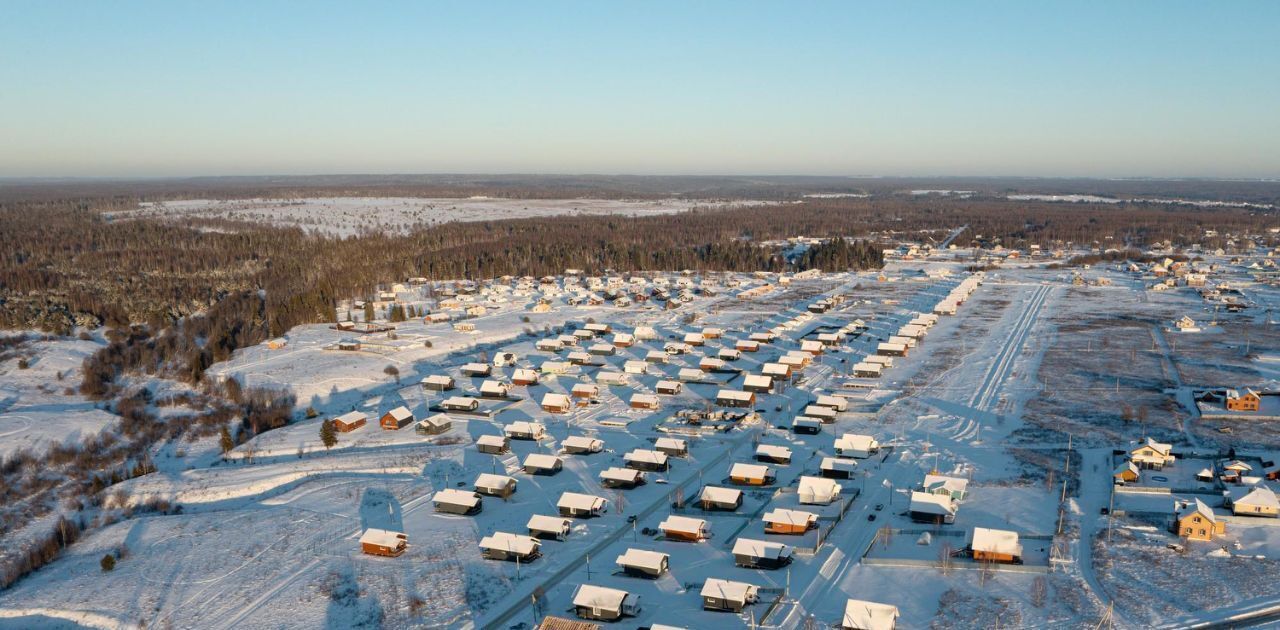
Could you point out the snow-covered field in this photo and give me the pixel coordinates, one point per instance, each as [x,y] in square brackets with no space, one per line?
[40,404]
[268,538]
[344,216]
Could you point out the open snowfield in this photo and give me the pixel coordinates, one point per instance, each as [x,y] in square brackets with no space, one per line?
[40,404]
[345,216]
[268,538]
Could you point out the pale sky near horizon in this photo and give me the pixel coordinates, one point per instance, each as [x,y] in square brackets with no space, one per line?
[131,88]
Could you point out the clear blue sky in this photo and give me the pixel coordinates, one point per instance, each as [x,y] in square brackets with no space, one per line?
[121,88]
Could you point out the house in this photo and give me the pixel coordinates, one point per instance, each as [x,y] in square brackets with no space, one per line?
[434,425]
[635,367]
[581,358]
[1127,472]
[524,430]
[623,340]
[581,505]
[1253,501]
[811,346]
[604,604]
[773,454]
[349,345]
[396,419]
[581,445]
[554,367]
[837,468]
[757,383]
[460,404]
[806,425]
[349,421]
[383,542]
[438,382]
[779,371]
[867,370]
[728,354]
[476,369]
[751,474]
[493,444]
[932,508]
[524,376]
[644,459]
[864,615]
[888,349]
[553,527]
[549,345]
[695,339]
[1205,475]
[995,545]
[789,522]
[836,403]
[655,356]
[602,350]
[1152,455]
[642,563]
[494,389]
[454,501]
[716,498]
[690,375]
[727,595]
[1248,400]
[735,398]
[495,485]
[584,391]
[817,490]
[673,447]
[712,364]
[624,478]
[669,388]
[1194,520]
[760,554]
[645,401]
[856,445]
[1235,471]
[826,414]
[685,528]
[556,403]
[955,487]
[542,464]
[511,547]
[1186,324]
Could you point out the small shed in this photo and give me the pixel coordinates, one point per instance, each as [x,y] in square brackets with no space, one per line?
[495,485]
[643,563]
[454,501]
[760,554]
[383,542]
[717,498]
[728,595]
[493,444]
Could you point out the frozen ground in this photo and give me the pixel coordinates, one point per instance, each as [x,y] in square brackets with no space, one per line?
[344,216]
[41,404]
[992,394]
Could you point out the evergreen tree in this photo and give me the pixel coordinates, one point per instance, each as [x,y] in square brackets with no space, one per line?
[224,440]
[327,435]
[108,562]
[368,312]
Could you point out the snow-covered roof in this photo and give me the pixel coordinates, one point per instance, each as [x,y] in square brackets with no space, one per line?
[729,590]
[437,379]
[684,524]
[750,471]
[555,400]
[933,483]
[599,597]
[644,399]
[514,543]
[578,501]
[855,442]
[460,401]
[490,480]
[543,523]
[351,417]
[647,456]
[641,558]
[524,426]
[541,460]
[926,503]
[491,440]
[775,369]
[720,495]
[1260,496]
[734,394]
[995,541]
[760,549]
[475,367]
[381,537]
[580,388]
[864,615]
[1196,506]
[616,473]
[671,443]
[400,413]
[453,496]
[757,380]
[790,517]
[581,441]
[838,463]
[817,486]
[773,450]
